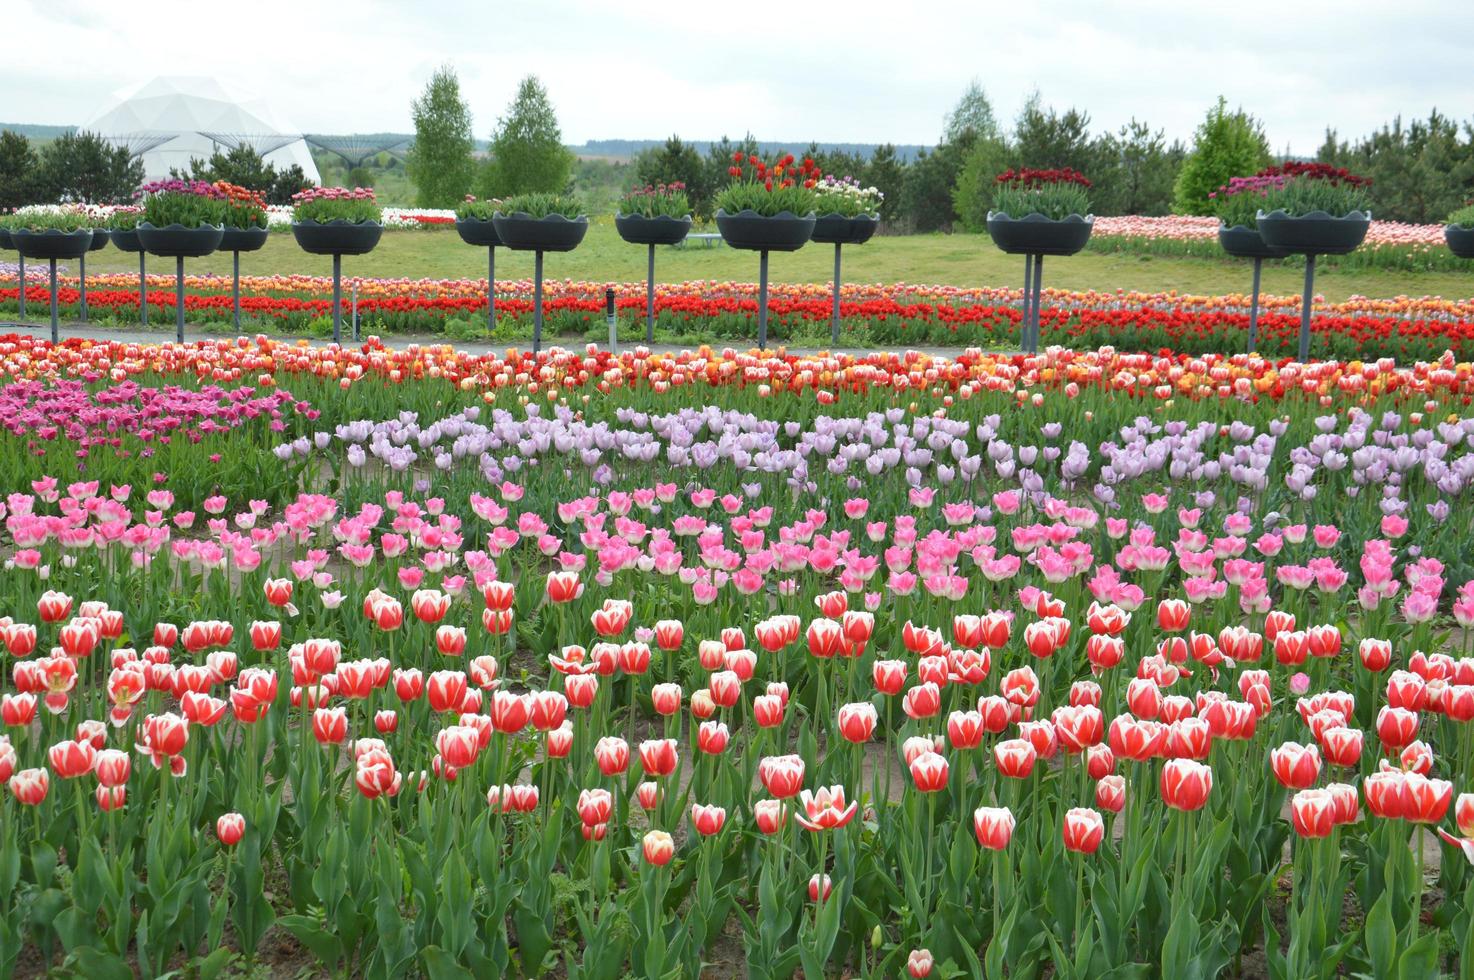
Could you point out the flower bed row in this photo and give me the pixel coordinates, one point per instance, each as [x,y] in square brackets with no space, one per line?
[508,681]
[1404,328]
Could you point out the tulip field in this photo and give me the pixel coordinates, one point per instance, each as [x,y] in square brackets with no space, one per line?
[370,662]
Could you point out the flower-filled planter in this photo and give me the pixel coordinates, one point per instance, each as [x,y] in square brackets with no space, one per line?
[99,240]
[337,220]
[243,239]
[474,224]
[768,207]
[123,229]
[1313,209]
[540,223]
[47,231]
[181,218]
[1039,234]
[780,232]
[5,242]
[1040,212]
[1459,232]
[660,229]
[658,214]
[1246,243]
[839,229]
[245,218]
[1314,233]
[51,243]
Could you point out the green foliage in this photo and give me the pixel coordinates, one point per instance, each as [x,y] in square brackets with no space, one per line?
[87,168]
[473,208]
[527,151]
[1134,169]
[973,197]
[244,167]
[49,217]
[656,201]
[1463,217]
[125,218]
[18,161]
[1056,201]
[324,204]
[1226,144]
[1420,171]
[440,161]
[1302,195]
[1239,208]
[677,162]
[178,207]
[541,205]
[847,197]
[751,196]
[926,195]
[886,173]
[972,117]
[1049,139]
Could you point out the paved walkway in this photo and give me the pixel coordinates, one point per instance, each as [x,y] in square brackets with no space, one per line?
[166,333]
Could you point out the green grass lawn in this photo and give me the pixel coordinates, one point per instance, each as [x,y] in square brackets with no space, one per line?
[964,260]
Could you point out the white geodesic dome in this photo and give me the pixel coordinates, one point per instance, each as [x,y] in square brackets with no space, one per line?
[174,120]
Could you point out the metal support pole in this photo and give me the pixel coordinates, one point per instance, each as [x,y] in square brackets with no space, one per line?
[1027,302]
[650,297]
[537,302]
[55,332]
[1305,302]
[83,309]
[609,315]
[1038,300]
[235,288]
[1254,307]
[762,301]
[179,298]
[353,320]
[142,289]
[491,289]
[834,317]
[337,298]
[22,257]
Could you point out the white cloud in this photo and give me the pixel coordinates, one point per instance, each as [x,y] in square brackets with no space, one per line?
[866,71]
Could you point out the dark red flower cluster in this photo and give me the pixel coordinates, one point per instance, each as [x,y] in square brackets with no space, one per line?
[783,172]
[1036,177]
[1315,171]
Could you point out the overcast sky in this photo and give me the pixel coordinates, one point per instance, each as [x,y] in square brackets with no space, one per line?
[853,72]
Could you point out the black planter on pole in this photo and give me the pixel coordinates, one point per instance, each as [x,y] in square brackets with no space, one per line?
[554,233]
[337,238]
[842,231]
[1246,243]
[662,229]
[475,231]
[1460,240]
[235,241]
[126,240]
[1035,236]
[1316,233]
[52,245]
[179,243]
[781,232]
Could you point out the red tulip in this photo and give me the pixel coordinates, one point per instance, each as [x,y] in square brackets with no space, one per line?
[1397,727]
[278,591]
[70,759]
[595,806]
[820,885]
[725,688]
[1083,830]
[429,605]
[768,710]
[922,701]
[770,816]
[825,809]
[1015,758]
[782,775]
[580,689]
[110,798]
[563,587]
[668,634]
[1173,615]
[53,607]
[929,772]
[330,725]
[1342,746]
[1295,766]
[965,729]
[889,676]
[1110,793]
[857,721]
[230,828]
[658,756]
[20,639]
[1387,795]
[450,640]
[610,619]
[511,712]
[1313,813]
[707,820]
[1427,799]
[993,826]
[1186,784]
[919,963]
[447,690]
[498,596]
[712,737]
[458,745]
[658,848]
[29,786]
